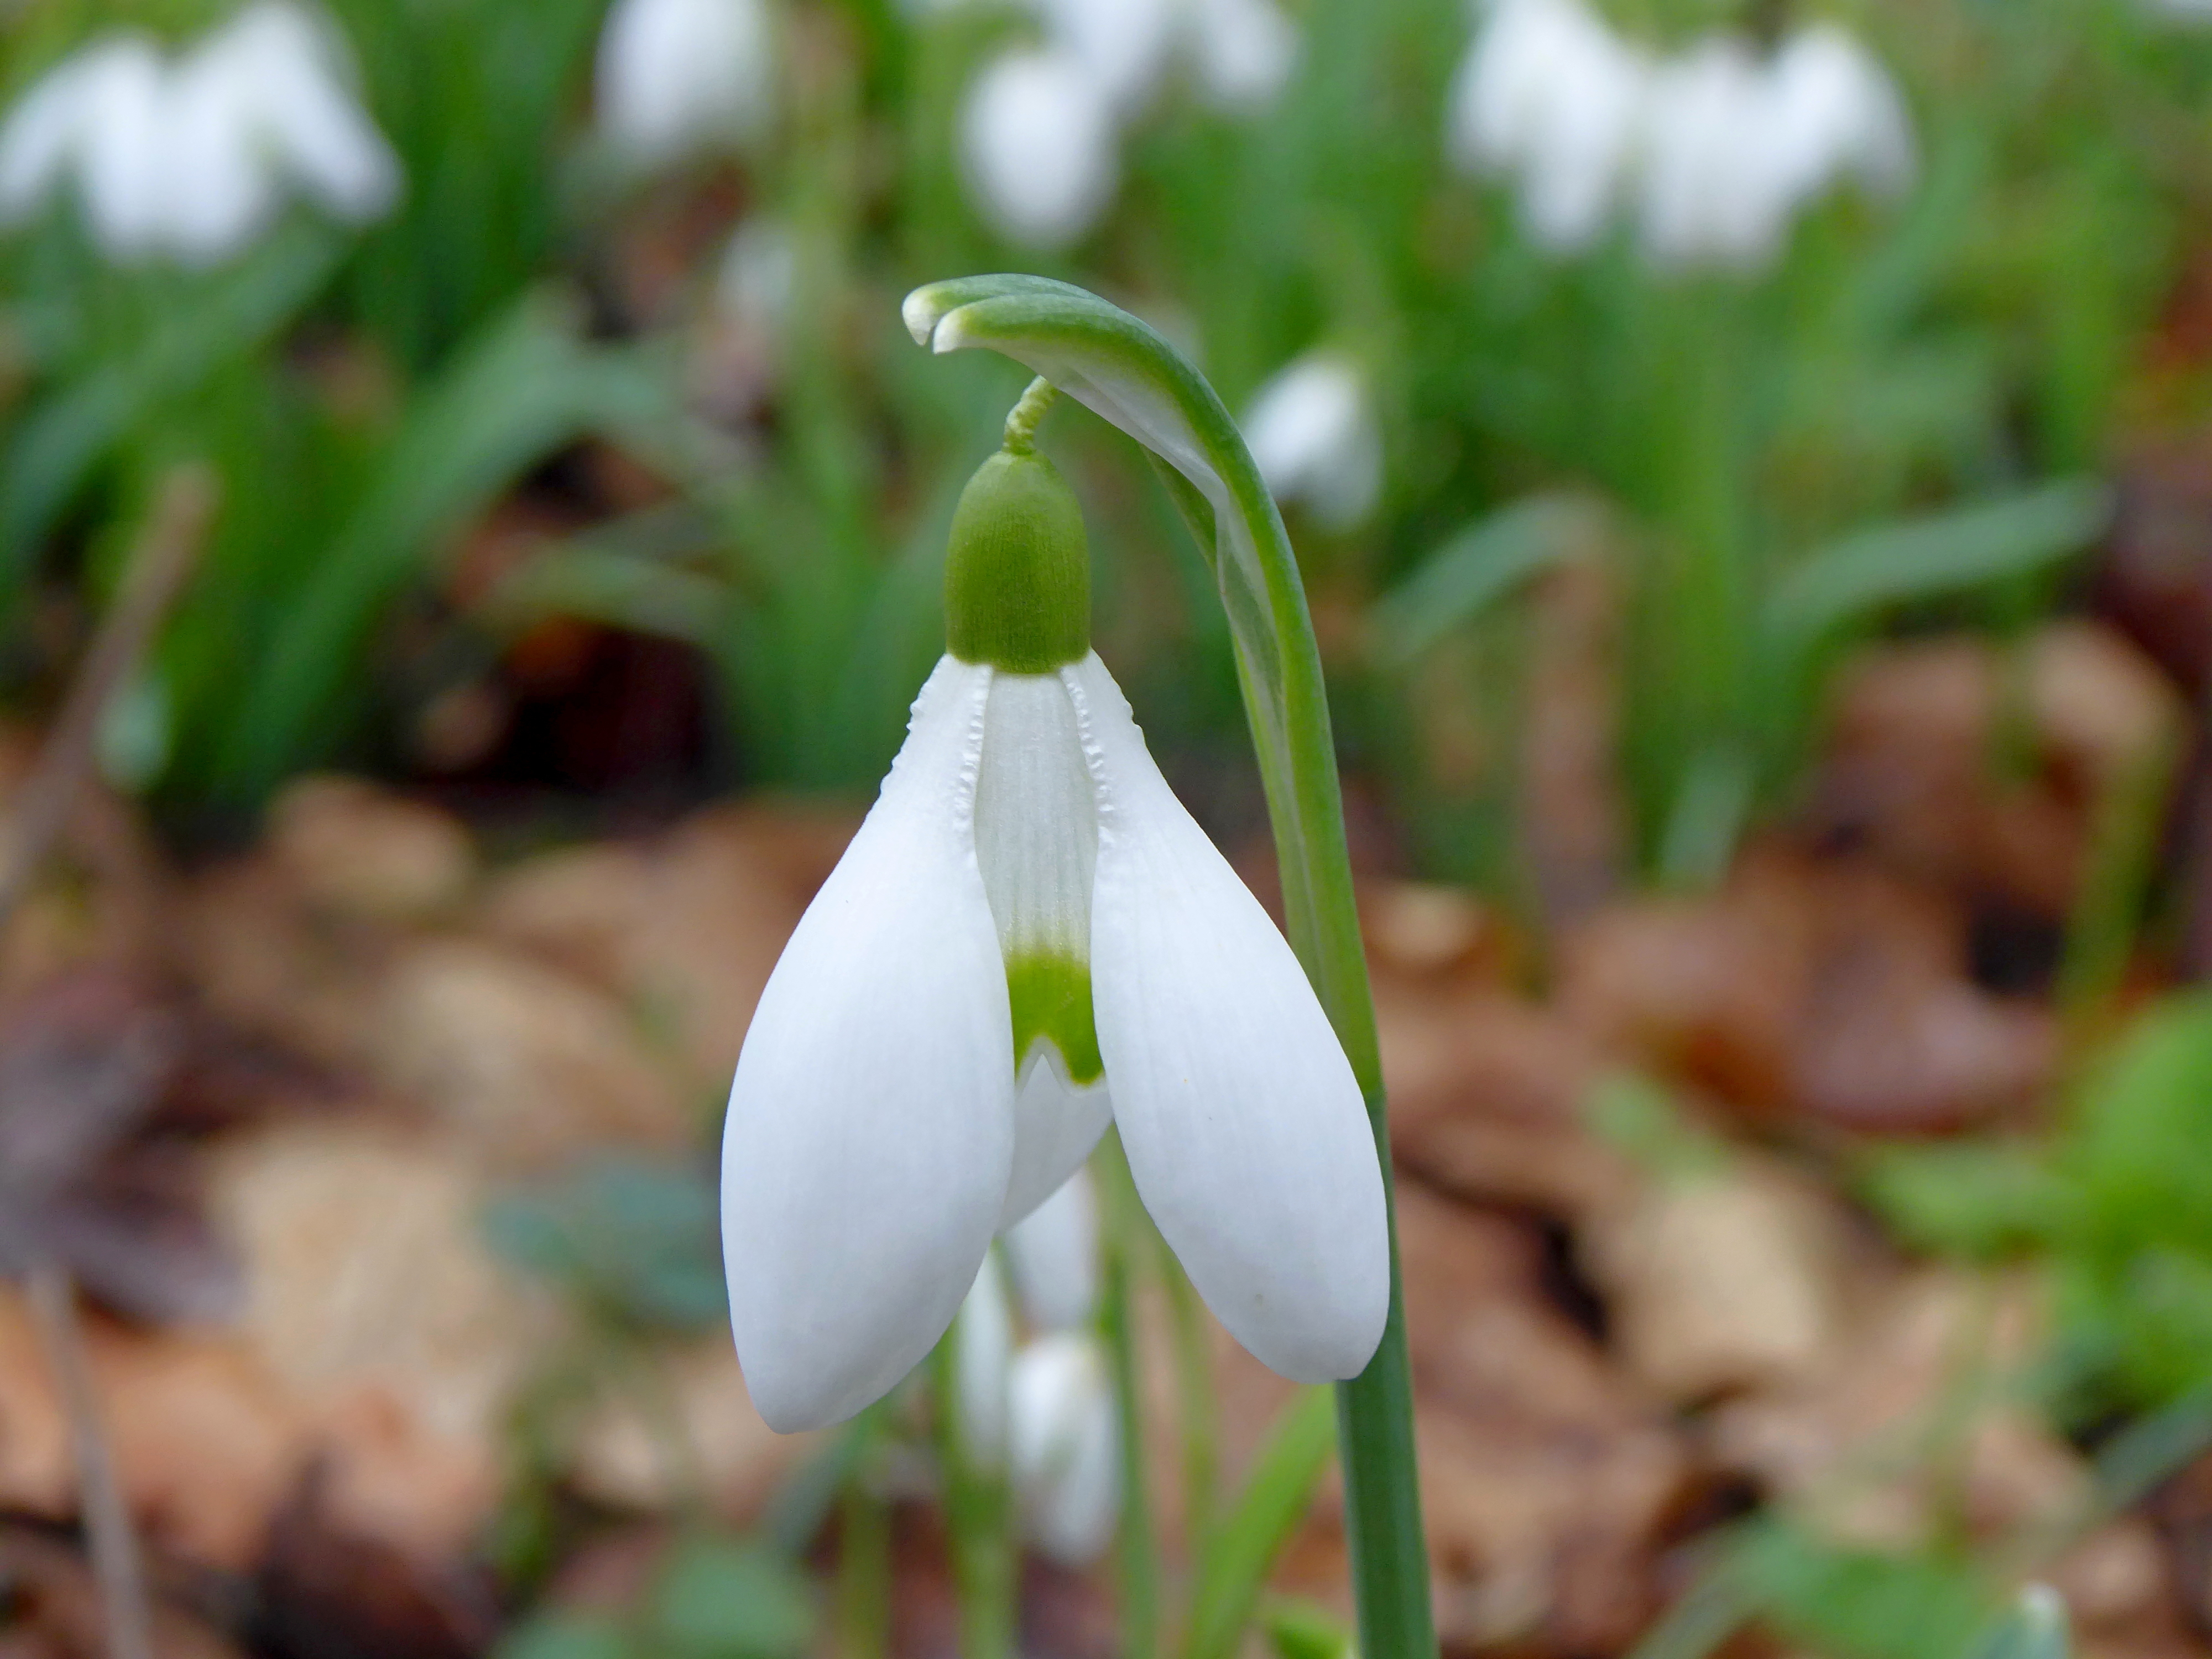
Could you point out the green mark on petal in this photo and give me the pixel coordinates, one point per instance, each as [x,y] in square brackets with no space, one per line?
[1051,999]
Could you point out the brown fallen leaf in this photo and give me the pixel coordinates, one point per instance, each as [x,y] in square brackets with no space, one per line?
[1544,1482]
[53,1608]
[1912,1422]
[1723,1280]
[205,1442]
[1486,1099]
[524,1066]
[687,1429]
[686,929]
[370,1293]
[352,848]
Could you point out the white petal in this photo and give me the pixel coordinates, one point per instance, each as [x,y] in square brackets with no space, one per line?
[1121,44]
[1245,49]
[871,1127]
[303,112]
[1066,1447]
[44,133]
[1312,431]
[1037,819]
[674,76]
[1243,1125]
[220,187]
[1056,1123]
[123,155]
[983,1349]
[1714,189]
[1054,1254]
[1037,139]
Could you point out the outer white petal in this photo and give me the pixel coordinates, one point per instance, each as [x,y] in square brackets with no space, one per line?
[1121,44]
[1243,1125]
[303,112]
[1312,431]
[1245,49]
[1714,189]
[1835,111]
[870,1125]
[1038,143]
[983,1349]
[1066,1447]
[123,150]
[1054,1254]
[222,188]
[43,134]
[674,76]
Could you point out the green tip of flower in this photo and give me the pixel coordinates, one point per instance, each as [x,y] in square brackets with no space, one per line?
[1018,575]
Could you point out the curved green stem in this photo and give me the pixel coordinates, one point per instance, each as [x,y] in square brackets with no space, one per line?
[1123,370]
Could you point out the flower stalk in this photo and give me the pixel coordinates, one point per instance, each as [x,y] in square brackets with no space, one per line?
[1124,371]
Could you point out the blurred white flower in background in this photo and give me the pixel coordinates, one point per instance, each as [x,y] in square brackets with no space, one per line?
[1038,136]
[191,160]
[1314,434]
[1550,93]
[1719,146]
[1065,1445]
[1041,130]
[1043,1410]
[678,76]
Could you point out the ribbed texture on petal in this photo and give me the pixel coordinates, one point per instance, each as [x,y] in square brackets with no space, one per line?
[870,1127]
[1244,1128]
[1036,826]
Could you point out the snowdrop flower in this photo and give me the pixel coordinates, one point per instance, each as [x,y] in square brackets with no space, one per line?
[677,77]
[1736,146]
[1065,1445]
[1039,141]
[1312,429]
[1712,187]
[1054,1254]
[1550,95]
[1030,937]
[192,159]
[1837,113]
[1041,127]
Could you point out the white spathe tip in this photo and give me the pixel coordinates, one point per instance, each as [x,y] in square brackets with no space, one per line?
[678,76]
[1038,143]
[1313,432]
[1066,1443]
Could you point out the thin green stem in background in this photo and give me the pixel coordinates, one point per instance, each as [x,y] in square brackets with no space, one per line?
[1137,1546]
[979,1516]
[864,1568]
[1123,370]
[1198,1406]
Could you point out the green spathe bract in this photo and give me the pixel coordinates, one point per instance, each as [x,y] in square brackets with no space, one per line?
[1017,573]
[1050,995]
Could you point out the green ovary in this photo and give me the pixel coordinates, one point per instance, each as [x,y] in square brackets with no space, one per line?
[1051,998]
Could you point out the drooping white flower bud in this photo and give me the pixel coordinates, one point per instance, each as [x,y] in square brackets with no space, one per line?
[678,76]
[1038,141]
[1066,1443]
[1244,49]
[191,160]
[1550,96]
[1312,429]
